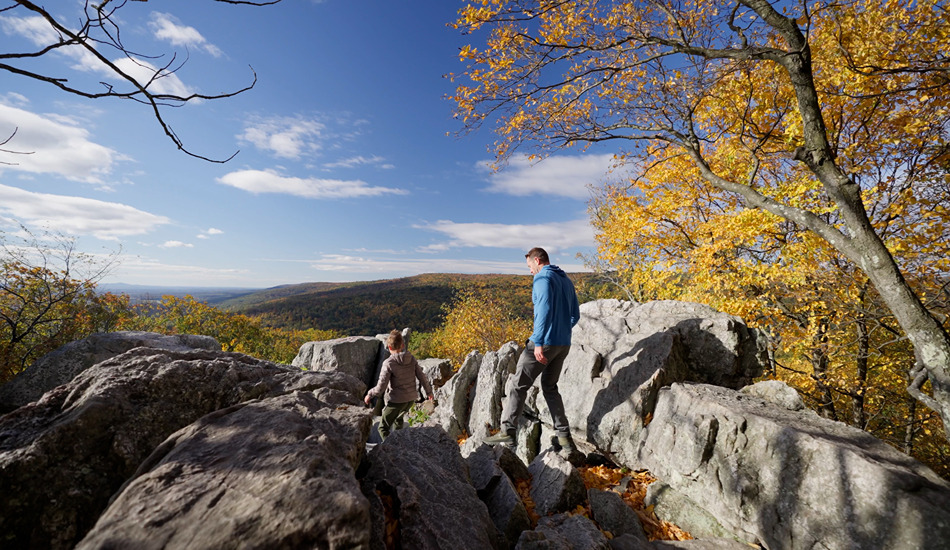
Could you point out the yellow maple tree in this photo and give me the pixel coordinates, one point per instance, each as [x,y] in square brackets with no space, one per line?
[793,159]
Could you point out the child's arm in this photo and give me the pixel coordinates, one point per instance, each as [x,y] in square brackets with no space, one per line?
[421,376]
[384,374]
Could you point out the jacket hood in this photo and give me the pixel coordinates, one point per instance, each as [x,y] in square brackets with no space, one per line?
[552,270]
[401,357]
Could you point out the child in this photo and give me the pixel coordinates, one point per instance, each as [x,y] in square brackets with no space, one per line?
[400,372]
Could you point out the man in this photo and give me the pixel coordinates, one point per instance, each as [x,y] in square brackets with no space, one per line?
[556,311]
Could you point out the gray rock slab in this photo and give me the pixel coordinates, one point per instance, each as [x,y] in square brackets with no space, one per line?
[418,482]
[454,398]
[678,509]
[64,456]
[789,479]
[357,356]
[494,472]
[556,486]
[700,544]
[489,390]
[629,542]
[720,348]
[437,370]
[608,398]
[62,365]
[624,352]
[274,473]
[563,531]
[776,392]
[611,514]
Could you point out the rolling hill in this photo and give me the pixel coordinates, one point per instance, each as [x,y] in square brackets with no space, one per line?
[374,307]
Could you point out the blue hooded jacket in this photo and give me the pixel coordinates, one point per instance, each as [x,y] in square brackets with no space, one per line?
[556,310]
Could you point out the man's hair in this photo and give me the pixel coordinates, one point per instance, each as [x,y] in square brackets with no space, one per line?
[539,253]
[394,340]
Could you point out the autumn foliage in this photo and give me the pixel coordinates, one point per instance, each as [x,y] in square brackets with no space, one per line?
[479,319]
[48,298]
[235,332]
[792,167]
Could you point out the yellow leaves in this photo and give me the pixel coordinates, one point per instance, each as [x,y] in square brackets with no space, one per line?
[472,17]
[478,319]
[467,52]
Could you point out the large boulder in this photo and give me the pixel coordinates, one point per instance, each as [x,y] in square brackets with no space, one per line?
[718,348]
[563,532]
[623,353]
[358,356]
[64,456]
[556,486]
[486,396]
[421,495]
[62,365]
[495,473]
[437,370]
[613,515]
[791,479]
[454,398]
[271,473]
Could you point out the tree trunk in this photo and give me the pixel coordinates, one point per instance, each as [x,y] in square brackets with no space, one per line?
[819,363]
[858,414]
[861,244]
[910,431]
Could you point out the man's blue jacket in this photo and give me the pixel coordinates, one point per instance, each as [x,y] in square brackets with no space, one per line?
[556,310]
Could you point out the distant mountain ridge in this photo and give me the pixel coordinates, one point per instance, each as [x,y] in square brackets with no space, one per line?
[154,293]
[354,308]
[375,307]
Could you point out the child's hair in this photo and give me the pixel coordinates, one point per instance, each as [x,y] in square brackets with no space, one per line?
[394,340]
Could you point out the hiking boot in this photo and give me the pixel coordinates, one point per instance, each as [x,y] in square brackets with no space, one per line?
[566,443]
[500,438]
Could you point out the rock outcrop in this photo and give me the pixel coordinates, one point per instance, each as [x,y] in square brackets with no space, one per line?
[418,482]
[358,356]
[64,456]
[791,479]
[271,473]
[622,355]
[654,386]
[188,447]
[62,365]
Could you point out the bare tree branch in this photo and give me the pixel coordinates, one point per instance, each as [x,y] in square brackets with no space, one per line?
[99,32]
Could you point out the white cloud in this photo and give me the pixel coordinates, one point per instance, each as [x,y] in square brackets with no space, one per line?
[14,99]
[359,161]
[285,137]
[563,176]
[175,244]
[38,31]
[207,234]
[145,74]
[260,181]
[551,236]
[54,147]
[35,29]
[77,215]
[363,264]
[167,27]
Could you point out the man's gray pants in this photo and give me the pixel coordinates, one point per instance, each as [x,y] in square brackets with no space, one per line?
[527,372]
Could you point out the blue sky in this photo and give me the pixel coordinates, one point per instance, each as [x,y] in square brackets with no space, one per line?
[350,167]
